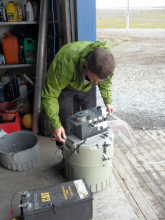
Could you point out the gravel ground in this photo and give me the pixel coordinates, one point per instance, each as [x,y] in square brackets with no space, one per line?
[138,89]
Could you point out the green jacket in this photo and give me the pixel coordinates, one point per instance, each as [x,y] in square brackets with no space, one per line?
[67,70]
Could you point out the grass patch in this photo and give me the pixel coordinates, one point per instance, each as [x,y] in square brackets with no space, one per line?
[117,23]
[138,19]
[111,43]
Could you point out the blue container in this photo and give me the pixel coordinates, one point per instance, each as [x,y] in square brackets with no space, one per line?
[15,87]
[2,94]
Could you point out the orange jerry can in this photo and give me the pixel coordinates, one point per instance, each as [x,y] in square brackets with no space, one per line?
[10,49]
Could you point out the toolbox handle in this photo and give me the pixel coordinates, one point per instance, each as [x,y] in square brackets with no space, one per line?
[54,208]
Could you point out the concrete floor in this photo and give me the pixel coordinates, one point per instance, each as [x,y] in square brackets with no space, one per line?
[108,204]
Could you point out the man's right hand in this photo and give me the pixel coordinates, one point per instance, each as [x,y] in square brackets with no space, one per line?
[59,134]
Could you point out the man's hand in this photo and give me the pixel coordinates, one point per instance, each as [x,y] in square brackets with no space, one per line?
[110,108]
[59,134]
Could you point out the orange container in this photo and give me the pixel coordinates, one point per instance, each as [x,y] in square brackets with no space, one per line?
[8,111]
[10,48]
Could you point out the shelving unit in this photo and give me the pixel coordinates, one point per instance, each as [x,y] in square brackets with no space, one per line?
[21,22]
[7,66]
[18,22]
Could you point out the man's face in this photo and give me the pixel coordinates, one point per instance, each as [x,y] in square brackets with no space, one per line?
[93,77]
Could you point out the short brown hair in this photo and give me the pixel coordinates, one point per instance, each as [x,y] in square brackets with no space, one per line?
[101,62]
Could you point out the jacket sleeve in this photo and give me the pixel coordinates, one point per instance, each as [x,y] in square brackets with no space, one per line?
[56,80]
[105,89]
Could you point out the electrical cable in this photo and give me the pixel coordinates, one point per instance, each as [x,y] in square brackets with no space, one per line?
[12,211]
[12,201]
[54,26]
[142,159]
[59,148]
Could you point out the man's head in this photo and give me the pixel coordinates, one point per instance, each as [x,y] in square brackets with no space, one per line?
[100,64]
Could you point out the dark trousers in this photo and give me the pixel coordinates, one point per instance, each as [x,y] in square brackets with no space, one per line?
[85,99]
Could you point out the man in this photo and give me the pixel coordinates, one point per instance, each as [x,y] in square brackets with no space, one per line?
[75,70]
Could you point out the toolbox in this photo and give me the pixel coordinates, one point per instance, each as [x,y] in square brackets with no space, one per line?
[66,201]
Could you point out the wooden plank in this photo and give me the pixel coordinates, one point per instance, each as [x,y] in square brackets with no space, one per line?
[162,133]
[154,178]
[146,153]
[142,134]
[128,195]
[136,192]
[126,140]
[150,156]
[151,135]
[146,186]
[134,158]
[157,151]
[147,177]
[147,169]
[138,138]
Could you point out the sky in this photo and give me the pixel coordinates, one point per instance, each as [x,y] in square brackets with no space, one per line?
[132,3]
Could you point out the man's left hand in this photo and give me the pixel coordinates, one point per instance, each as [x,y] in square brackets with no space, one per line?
[110,108]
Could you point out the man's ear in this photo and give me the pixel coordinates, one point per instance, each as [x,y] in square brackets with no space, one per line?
[86,63]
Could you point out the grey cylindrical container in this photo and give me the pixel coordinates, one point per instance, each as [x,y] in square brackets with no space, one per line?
[19,150]
[88,162]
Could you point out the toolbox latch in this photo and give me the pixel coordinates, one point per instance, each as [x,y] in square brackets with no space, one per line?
[54,208]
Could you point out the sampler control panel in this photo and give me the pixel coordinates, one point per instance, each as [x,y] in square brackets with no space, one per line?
[87,123]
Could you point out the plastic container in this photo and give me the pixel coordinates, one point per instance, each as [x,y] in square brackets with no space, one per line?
[23,90]
[19,13]
[24,9]
[28,79]
[2,59]
[6,78]
[2,12]
[8,111]
[15,87]
[2,94]
[30,50]
[21,55]
[25,106]
[9,92]
[11,12]
[19,150]
[29,11]
[36,10]
[88,162]
[10,48]
[19,80]
[11,127]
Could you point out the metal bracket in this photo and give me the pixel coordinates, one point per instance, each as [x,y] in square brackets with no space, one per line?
[104,159]
[104,146]
[104,135]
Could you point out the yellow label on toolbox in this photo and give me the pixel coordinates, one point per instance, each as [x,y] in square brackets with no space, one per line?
[63,189]
[45,197]
[86,111]
[70,191]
